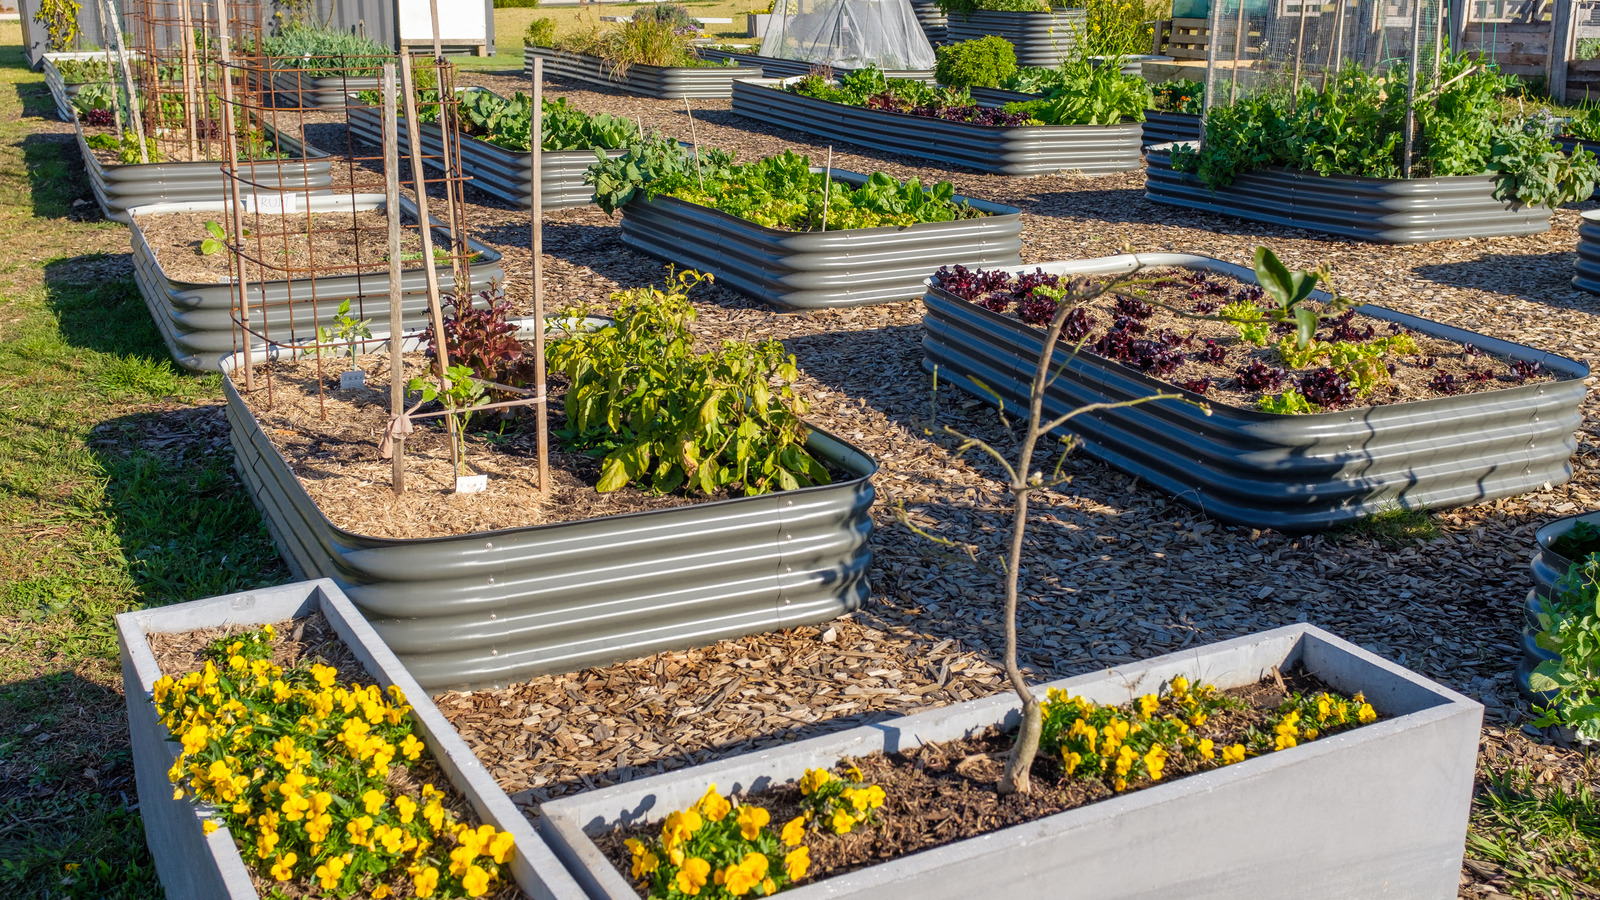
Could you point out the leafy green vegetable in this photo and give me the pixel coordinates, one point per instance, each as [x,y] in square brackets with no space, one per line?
[1579,541]
[984,62]
[1569,625]
[321,52]
[216,239]
[1289,403]
[777,192]
[1078,92]
[667,417]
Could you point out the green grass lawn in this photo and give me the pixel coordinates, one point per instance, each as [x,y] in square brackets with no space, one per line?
[116,492]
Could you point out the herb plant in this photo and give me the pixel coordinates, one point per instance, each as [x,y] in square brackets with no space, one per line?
[984,62]
[1080,94]
[506,123]
[666,416]
[1577,542]
[345,328]
[126,148]
[298,767]
[459,393]
[640,41]
[324,52]
[541,33]
[1569,625]
[215,240]
[82,71]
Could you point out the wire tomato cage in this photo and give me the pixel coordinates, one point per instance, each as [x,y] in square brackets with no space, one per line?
[359,265]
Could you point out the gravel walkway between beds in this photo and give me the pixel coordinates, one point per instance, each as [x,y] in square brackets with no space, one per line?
[1115,573]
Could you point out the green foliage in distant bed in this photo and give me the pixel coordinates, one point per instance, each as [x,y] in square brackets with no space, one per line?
[984,62]
[321,52]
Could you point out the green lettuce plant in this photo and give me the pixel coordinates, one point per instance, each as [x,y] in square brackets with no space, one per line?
[1569,625]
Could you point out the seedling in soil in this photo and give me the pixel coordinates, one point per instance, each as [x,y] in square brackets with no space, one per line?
[347,329]
[459,393]
[216,239]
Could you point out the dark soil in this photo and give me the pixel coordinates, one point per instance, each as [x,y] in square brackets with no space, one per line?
[945,792]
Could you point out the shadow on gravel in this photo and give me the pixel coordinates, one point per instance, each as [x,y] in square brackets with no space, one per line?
[1542,278]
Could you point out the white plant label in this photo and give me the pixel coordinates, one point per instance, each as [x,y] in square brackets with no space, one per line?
[352,381]
[472,484]
[270,204]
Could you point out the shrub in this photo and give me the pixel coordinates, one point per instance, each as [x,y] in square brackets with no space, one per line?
[984,62]
[541,32]
[516,4]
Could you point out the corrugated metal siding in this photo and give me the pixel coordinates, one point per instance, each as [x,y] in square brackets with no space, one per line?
[1022,150]
[1167,127]
[495,170]
[703,82]
[819,269]
[1370,209]
[196,320]
[1587,277]
[1291,473]
[124,187]
[293,89]
[1547,567]
[932,19]
[500,606]
[1040,39]
[789,68]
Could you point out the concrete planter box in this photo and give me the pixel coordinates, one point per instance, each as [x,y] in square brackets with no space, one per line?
[504,174]
[197,866]
[494,607]
[671,83]
[1586,274]
[1386,210]
[63,91]
[820,269]
[1016,150]
[789,68]
[196,320]
[1040,38]
[294,89]
[1378,811]
[120,188]
[1294,473]
[934,22]
[1168,127]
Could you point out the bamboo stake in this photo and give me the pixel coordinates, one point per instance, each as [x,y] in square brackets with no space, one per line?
[536,244]
[230,165]
[127,80]
[827,187]
[1299,52]
[116,106]
[397,367]
[693,136]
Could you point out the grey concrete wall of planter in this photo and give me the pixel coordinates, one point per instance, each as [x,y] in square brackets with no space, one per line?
[196,866]
[1390,799]
[119,188]
[196,320]
[1294,473]
[1586,276]
[1014,150]
[820,269]
[494,607]
[1040,39]
[295,89]
[934,22]
[1166,127]
[670,83]
[505,174]
[789,68]
[1387,210]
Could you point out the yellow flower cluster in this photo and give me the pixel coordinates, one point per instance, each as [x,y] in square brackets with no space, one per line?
[1122,746]
[297,767]
[717,850]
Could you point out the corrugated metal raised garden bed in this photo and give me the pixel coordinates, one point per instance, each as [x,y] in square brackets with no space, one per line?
[196,320]
[670,83]
[1390,210]
[493,607]
[1586,275]
[502,173]
[1040,38]
[196,865]
[63,91]
[819,269]
[1166,127]
[788,68]
[1264,470]
[935,24]
[295,89]
[999,150]
[1548,566]
[120,188]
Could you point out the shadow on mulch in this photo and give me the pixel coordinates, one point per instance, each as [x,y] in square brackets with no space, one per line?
[1542,278]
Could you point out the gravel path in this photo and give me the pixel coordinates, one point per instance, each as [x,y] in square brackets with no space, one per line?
[1116,572]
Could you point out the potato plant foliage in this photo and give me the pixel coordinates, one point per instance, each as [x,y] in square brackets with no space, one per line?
[667,416]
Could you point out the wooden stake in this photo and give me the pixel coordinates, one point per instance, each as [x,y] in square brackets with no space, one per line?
[693,136]
[116,107]
[536,244]
[827,187]
[127,80]
[424,223]
[230,165]
[397,367]
[190,76]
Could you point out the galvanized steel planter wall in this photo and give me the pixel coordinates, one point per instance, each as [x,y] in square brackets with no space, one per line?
[1014,150]
[935,24]
[196,320]
[120,188]
[294,89]
[1391,798]
[1040,39]
[1389,210]
[1167,127]
[789,68]
[494,607]
[1292,473]
[61,90]
[196,866]
[674,83]
[1587,269]
[819,269]
[1547,567]
[502,173]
